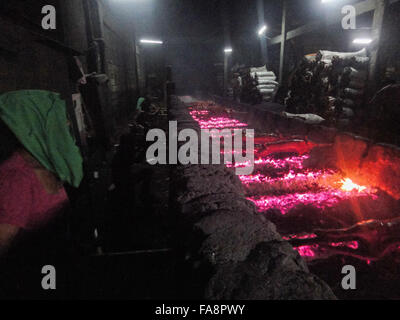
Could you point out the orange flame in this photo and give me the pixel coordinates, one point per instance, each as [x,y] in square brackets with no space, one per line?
[349,185]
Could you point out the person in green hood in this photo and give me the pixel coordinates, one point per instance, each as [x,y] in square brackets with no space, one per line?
[38,155]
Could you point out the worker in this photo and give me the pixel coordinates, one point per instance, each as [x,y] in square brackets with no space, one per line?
[146,111]
[237,86]
[142,106]
[139,103]
[143,103]
[38,155]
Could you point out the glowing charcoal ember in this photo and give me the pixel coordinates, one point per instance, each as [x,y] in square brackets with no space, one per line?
[229,164]
[349,244]
[321,200]
[282,182]
[215,122]
[307,251]
[199,113]
[297,162]
[291,162]
[258,178]
[220,125]
[300,237]
[305,177]
[315,250]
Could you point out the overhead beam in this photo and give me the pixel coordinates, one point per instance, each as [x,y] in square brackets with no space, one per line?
[361,8]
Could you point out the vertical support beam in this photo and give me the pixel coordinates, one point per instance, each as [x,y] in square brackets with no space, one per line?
[100,33]
[97,96]
[283,42]
[141,72]
[376,36]
[227,40]
[263,40]
[136,61]
[226,57]
[226,22]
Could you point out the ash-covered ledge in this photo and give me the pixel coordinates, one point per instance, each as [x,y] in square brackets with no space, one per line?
[243,254]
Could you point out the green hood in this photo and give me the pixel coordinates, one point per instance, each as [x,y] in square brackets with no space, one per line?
[139,103]
[39,121]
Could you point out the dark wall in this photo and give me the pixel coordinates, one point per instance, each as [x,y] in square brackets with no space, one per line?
[120,61]
[75,35]
[29,59]
[193,66]
[389,61]
[32,58]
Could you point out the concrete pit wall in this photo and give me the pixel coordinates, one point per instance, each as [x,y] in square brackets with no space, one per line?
[223,233]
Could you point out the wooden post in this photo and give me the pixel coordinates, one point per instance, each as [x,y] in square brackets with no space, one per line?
[283,43]
[227,41]
[263,39]
[376,36]
[225,74]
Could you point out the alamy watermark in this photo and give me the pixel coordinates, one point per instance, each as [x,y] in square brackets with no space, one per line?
[349,20]
[349,281]
[49,19]
[49,280]
[197,150]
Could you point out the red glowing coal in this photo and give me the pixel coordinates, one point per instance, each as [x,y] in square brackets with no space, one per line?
[330,187]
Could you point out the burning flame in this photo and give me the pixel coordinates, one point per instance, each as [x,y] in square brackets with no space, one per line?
[349,185]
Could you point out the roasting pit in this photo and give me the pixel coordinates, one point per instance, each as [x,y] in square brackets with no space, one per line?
[329,219]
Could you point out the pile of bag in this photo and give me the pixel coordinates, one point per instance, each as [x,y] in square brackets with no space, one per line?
[329,84]
[266,82]
[254,85]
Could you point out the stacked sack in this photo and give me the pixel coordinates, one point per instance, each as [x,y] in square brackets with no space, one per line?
[257,85]
[248,87]
[266,82]
[329,84]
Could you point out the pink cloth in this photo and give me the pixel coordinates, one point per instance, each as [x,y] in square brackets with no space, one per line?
[24,202]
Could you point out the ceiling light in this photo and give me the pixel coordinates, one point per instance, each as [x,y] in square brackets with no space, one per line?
[362,41]
[151,41]
[262,30]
